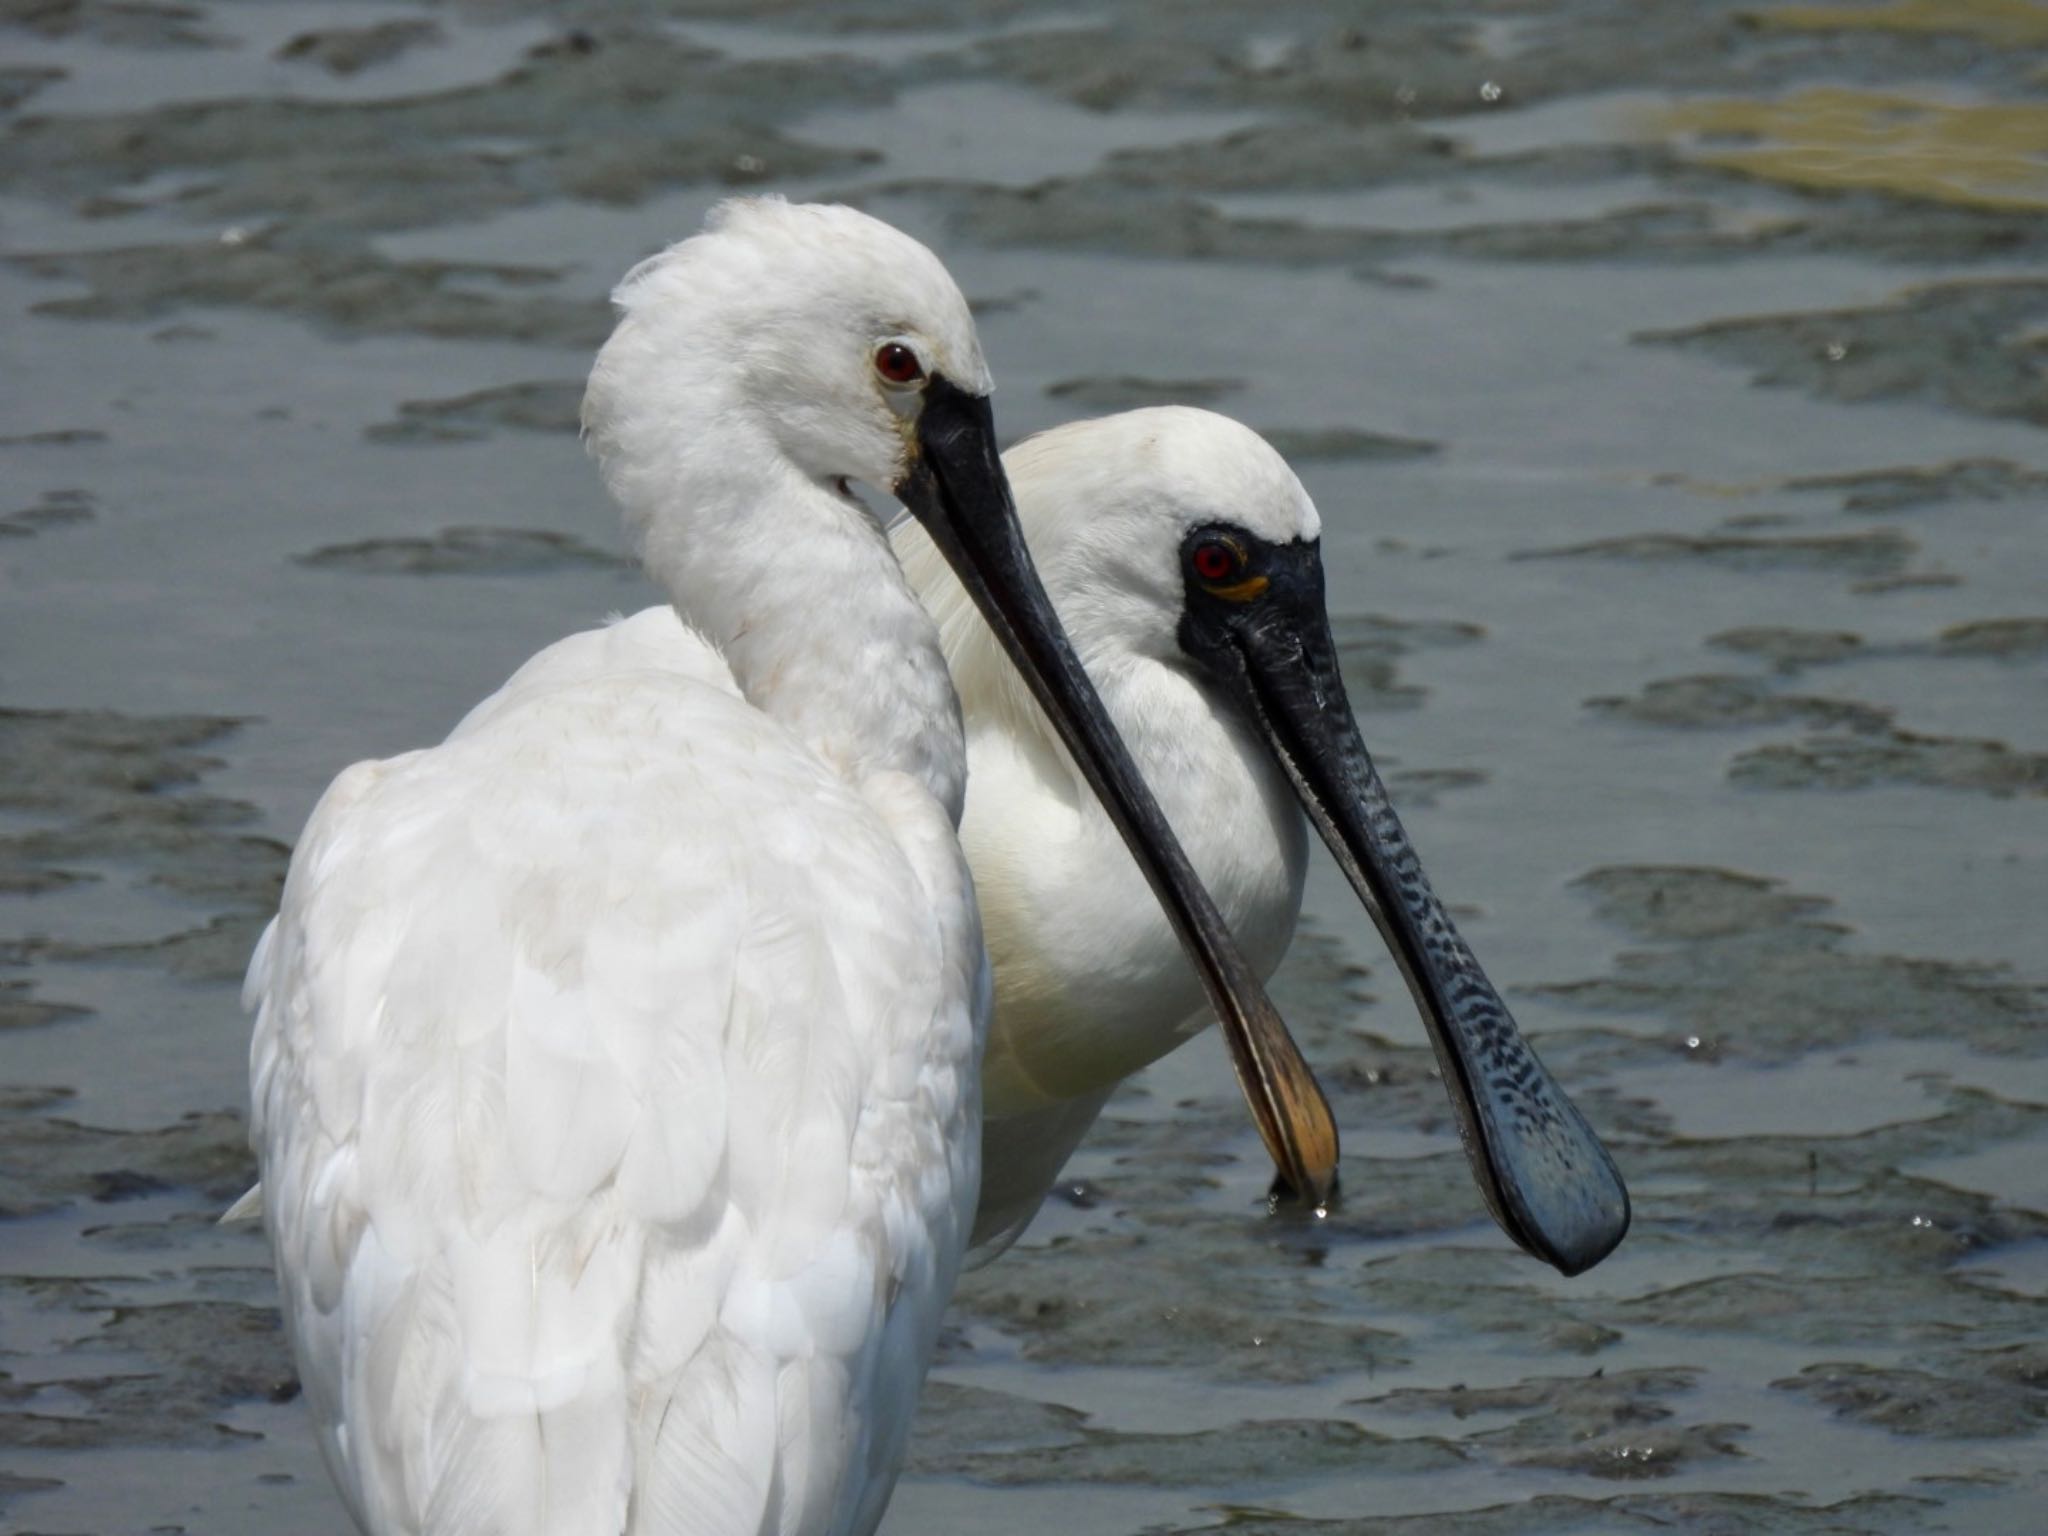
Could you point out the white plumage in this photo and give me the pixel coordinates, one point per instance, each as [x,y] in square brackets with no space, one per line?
[614,1068]
[1183,557]
[617,1062]
[1090,985]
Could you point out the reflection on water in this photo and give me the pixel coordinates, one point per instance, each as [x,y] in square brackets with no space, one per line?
[1715,707]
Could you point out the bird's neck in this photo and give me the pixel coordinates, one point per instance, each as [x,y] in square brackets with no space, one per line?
[797,587]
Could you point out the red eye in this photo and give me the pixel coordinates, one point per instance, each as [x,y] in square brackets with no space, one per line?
[1214,560]
[897,363]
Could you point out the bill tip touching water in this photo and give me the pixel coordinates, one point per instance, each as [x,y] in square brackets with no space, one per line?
[613,1072]
[581,1108]
[1256,619]
[1185,556]
[1665,378]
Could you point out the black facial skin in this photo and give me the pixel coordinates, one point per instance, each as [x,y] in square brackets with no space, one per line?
[955,487]
[1547,1179]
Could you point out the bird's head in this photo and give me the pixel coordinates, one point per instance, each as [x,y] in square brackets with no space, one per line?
[815,332]
[1144,514]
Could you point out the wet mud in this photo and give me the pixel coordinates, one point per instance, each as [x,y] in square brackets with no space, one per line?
[533,407]
[1671,380]
[52,510]
[464,552]
[1863,747]
[1901,350]
[349,291]
[350,50]
[1910,486]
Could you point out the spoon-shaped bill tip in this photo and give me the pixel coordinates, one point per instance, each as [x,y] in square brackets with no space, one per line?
[1545,1175]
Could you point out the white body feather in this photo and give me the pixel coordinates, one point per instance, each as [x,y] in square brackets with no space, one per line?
[615,1061]
[615,1093]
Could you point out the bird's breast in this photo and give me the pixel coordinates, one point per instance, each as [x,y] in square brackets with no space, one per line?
[1091,983]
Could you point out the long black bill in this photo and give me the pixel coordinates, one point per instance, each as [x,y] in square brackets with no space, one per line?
[1547,1179]
[957,490]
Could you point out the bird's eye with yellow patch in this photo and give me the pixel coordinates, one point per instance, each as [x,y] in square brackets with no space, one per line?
[897,364]
[1215,560]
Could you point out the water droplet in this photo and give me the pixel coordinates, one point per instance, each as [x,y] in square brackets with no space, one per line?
[1922,1221]
[1837,350]
[1489,92]
[749,165]
[1692,1042]
[1405,95]
[234,234]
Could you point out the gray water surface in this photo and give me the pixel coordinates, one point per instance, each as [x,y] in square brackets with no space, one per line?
[1671,380]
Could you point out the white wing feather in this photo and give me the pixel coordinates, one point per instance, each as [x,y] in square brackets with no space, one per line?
[615,1072]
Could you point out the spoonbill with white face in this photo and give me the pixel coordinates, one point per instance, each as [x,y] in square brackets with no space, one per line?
[1183,557]
[614,1068]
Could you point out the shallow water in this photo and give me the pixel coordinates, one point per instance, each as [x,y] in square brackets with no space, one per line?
[1670,378]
